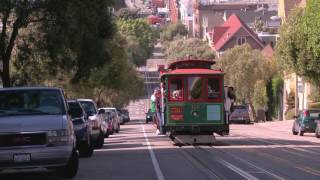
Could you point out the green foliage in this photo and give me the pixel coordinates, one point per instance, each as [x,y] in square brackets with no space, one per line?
[314,105]
[260,94]
[287,48]
[141,38]
[66,35]
[115,83]
[127,13]
[276,93]
[77,37]
[258,25]
[314,95]
[246,69]
[181,48]
[172,31]
[73,45]
[299,48]
[290,114]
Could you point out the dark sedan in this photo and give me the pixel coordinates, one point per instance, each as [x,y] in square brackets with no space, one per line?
[82,128]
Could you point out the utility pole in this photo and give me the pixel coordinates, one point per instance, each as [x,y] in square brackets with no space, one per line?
[296,102]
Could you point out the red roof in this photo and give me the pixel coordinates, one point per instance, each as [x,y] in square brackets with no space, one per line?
[222,34]
[192,71]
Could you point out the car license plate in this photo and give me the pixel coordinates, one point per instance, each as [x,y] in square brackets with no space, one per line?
[19,158]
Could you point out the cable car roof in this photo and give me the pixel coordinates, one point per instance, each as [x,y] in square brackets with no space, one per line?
[191,64]
[192,72]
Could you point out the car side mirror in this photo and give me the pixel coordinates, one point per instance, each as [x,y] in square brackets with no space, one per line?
[90,113]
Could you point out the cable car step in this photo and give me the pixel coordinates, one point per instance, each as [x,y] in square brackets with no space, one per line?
[193,139]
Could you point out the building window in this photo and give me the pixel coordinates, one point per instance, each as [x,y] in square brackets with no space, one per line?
[241,40]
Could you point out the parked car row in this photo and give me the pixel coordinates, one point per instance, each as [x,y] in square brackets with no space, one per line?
[39,128]
[307,121]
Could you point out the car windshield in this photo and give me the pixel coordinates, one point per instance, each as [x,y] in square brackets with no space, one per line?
[30,102]
[240,109]
[315,114]
[75,109]
[88,107]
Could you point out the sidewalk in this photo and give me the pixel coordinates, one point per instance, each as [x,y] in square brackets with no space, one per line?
[284,126]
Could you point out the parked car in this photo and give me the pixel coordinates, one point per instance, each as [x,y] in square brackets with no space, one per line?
[305,122]
[82,128]
[36,131]
[99,127]
[107,116]
[110,123]
[120,115]
[115,117]
[126,117]
[318,129]
[240,114]
[149,116]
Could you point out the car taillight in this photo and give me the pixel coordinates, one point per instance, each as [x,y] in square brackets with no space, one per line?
[95,124]
[176,113]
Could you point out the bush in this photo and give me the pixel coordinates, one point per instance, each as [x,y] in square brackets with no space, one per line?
[290,114]
[173,30]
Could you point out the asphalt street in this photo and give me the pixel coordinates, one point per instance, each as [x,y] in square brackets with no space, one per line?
[259,151]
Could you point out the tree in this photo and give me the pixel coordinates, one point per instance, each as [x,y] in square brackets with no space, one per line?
[298,49]
[141,38]
[128,13]
[114,84]
[288,48]
[246,69]
[183,47]
[69,34]
[172,31]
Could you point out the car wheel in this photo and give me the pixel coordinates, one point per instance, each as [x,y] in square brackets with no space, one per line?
[118,129]
[70,170]
[318,132]
[300,132]
[86,150]
[294,132]
[100,141]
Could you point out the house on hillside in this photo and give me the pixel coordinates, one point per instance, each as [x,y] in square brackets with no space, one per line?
[231,33]
[173,6]
[208,15]
[186,14]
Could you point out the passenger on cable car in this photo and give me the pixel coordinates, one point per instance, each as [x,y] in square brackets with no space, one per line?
[177,94]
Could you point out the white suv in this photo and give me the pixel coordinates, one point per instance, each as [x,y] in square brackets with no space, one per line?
[36,131]
[99,126]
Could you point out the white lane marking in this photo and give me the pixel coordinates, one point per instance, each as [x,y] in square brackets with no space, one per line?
[237,170]
[260,169]
[153,156]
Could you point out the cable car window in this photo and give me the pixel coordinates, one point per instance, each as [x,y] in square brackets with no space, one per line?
[194,88]
[176,89]
[214,89]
